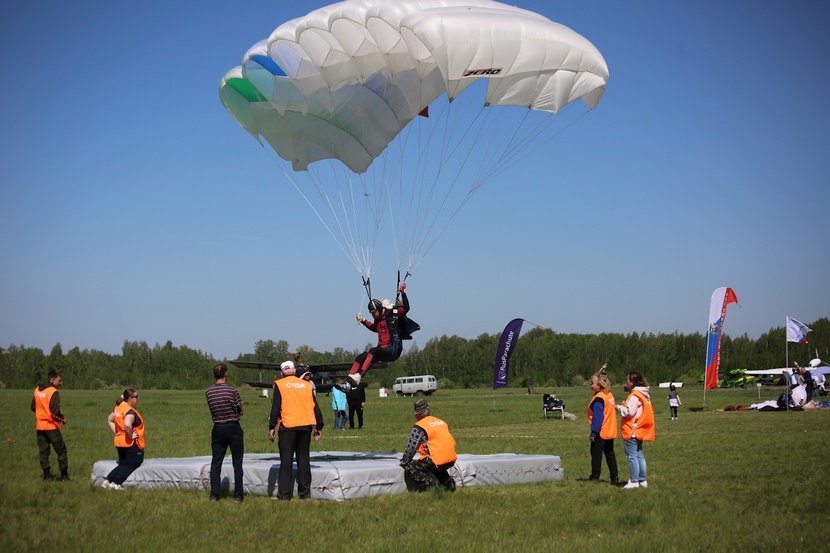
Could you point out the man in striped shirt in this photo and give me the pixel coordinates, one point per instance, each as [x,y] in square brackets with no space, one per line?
[225,408]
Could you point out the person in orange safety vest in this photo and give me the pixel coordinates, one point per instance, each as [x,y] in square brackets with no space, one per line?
[637,426]
[295,418]
[431,439]
[603,420]
[126,424]
[46,403]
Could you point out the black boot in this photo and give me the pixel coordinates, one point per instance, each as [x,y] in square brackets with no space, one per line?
[64,476]
[47,474]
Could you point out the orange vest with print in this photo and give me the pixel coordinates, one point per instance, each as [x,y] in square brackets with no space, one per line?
[121,438]
[43,412]
[297,407]
[608,431]
[440,442]
[642,426]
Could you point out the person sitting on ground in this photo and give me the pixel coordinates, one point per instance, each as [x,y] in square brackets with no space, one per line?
[785,401]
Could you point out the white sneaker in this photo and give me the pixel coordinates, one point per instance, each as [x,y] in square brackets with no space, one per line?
[631,485]
[107,485]
[643,484]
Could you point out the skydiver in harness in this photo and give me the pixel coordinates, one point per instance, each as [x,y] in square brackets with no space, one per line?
[391,325]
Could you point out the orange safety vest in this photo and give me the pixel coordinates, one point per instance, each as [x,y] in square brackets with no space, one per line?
[121,439]
[608,431]
[642,426]
[297,408]
[440,442]
[45,420]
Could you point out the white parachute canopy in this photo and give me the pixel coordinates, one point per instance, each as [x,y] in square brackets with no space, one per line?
[366,104]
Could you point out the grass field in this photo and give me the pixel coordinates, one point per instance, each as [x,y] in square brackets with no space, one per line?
[719,481]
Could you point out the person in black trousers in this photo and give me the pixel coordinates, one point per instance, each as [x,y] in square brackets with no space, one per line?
[225,407]
[356,399]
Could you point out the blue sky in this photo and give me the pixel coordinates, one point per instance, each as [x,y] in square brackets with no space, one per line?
[134,207]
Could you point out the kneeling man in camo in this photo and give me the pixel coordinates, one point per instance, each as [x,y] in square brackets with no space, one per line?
[431,439]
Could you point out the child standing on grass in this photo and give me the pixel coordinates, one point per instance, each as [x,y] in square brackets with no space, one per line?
[674,402]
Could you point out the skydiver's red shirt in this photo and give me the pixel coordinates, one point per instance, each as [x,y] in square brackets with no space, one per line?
[382,328]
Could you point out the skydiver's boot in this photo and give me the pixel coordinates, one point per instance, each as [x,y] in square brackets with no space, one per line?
[354,377]
[47,474]
[64,475]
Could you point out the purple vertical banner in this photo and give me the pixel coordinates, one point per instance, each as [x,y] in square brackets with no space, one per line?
[509,337]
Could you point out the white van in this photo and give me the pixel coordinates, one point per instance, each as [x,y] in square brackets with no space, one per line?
[415,385]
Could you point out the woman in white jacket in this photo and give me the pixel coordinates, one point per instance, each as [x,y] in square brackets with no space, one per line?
[637,425]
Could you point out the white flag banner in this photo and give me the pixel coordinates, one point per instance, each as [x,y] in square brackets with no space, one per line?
[797,331]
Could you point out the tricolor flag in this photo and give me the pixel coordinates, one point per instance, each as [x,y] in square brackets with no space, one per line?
[797,331]
[717,313]
[509,337]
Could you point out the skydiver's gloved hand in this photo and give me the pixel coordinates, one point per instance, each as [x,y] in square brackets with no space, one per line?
[403,288]
[359,318]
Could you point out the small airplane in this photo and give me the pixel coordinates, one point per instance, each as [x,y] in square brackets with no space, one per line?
[736,378]
[324,375]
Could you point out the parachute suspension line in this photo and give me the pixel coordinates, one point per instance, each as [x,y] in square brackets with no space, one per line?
[497,157]
[362,249]
[347,233]
[319,217]
[385,182]
[398,286]
[428,194]
[354,231]
[400,197]
[530,143]
[367,285]
[476,131]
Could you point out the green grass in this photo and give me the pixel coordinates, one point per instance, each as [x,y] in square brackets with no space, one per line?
[719,481]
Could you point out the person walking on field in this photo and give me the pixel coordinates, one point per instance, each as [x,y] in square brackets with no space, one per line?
[602,417]
[637,426]
[431,439]
[295,416]
[674,401]
[225,408]
[46,403]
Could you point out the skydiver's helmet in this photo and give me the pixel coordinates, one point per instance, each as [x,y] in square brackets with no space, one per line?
[354,380]
[375,305]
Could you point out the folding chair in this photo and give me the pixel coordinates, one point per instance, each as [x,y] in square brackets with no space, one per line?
[553,404]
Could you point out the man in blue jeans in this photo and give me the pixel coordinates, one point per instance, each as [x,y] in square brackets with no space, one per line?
[226,409]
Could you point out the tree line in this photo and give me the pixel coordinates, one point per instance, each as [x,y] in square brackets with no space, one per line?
[540,358]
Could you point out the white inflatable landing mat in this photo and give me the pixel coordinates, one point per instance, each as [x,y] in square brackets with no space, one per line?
[335,475]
